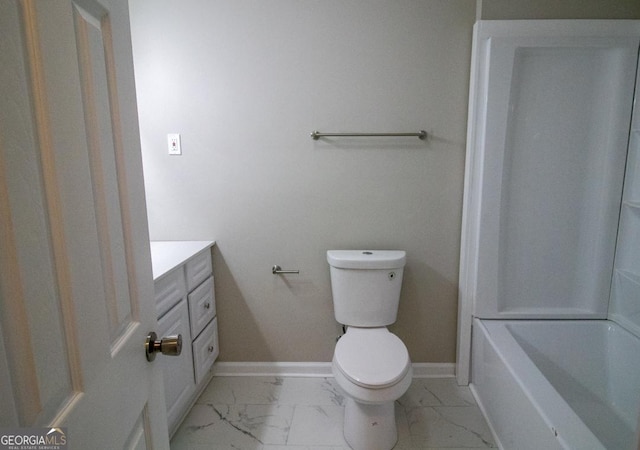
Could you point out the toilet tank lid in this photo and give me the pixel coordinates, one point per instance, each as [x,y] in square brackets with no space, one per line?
[367,259]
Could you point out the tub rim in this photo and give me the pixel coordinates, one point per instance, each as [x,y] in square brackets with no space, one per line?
[568,428]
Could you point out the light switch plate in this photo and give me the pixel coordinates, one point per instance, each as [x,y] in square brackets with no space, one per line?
[173,141]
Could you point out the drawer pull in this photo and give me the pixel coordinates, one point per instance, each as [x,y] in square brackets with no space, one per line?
[210,349]
[207,305]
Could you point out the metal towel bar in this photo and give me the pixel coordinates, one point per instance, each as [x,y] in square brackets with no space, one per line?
[315,135]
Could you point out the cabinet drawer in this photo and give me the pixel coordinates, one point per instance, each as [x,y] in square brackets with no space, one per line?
[169,290]
[202,306]
[198,268]
[205,350]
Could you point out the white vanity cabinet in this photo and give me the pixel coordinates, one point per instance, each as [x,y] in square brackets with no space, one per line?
[185,304]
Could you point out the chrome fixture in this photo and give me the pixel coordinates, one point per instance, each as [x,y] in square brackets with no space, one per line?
[168,345]
[277,270]
[315,135]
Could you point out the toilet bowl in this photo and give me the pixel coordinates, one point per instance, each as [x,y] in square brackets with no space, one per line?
[370,364]
[372,367]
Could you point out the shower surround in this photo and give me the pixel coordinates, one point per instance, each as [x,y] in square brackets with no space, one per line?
[551,230]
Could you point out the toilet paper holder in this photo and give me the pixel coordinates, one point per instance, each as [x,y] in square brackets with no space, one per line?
[277,270]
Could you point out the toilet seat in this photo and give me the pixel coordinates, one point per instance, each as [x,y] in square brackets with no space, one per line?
[373,358]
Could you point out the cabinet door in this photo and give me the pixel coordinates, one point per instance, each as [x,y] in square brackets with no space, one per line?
[179,382]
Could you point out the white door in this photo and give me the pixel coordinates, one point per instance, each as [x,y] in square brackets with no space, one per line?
[76,291]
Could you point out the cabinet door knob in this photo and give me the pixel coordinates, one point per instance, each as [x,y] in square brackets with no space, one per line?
[207,305]
[210,348]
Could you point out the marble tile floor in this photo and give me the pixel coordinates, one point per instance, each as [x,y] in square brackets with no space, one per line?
[289,413]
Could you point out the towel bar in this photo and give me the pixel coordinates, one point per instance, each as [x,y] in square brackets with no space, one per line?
[315,135]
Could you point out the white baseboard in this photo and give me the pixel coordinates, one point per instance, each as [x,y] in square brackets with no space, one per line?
[315,369]
[281,369]
[434,370]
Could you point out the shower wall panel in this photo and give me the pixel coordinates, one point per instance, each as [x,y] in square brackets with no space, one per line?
[555,143]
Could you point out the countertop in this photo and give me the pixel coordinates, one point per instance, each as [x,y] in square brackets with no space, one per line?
[167,255]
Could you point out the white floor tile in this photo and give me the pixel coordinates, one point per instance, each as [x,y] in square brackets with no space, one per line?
[448,426]
[436,392]
[317,425]
[242,426]
[274,413]
[310,391]
[242,390]
[283,447]
[214,446]
[302,447]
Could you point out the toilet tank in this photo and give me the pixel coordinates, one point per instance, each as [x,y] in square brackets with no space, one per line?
[366,286]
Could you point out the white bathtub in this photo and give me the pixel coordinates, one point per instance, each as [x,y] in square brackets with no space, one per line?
[557,384]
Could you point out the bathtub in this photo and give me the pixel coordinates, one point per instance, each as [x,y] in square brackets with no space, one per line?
[557,384]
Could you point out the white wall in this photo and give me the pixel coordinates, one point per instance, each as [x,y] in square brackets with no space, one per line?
[245,82]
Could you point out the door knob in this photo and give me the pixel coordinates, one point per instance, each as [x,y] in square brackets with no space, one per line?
[168,345]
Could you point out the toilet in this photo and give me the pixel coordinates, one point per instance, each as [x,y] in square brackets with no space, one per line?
[370,364]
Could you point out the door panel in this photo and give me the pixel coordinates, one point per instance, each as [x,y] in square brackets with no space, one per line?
[138,438]
[99,95]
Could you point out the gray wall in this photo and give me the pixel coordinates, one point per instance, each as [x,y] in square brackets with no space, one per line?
[245,82]
[558,9]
